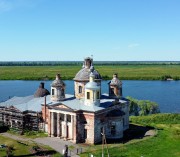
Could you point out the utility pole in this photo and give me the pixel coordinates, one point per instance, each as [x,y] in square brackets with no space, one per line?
[44,113]
[106,145]
[103,142]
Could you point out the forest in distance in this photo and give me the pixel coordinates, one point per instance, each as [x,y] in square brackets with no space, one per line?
[56,63]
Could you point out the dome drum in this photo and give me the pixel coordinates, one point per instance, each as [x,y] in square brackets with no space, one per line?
[82,77]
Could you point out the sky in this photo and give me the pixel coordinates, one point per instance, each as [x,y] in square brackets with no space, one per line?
[70,30]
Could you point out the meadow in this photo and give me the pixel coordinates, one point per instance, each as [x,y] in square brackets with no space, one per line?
[24,148]
[125,72]
[166,141]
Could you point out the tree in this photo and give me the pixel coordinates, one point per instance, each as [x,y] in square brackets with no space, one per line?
[142,107]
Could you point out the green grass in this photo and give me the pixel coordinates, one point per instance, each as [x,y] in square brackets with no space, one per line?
[28,134]
[165,144]
[128,72]
[21,148]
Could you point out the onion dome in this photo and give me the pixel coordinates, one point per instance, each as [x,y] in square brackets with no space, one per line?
[41,91]
[87,68]
[58,82]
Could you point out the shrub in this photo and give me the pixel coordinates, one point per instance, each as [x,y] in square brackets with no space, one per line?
[142,107]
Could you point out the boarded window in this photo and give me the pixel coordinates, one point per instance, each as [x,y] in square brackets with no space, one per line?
[68,118]
[80,89]
[85,133]
[88,95]
[113,129]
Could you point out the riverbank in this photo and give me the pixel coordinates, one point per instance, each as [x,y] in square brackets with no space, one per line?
[126,72]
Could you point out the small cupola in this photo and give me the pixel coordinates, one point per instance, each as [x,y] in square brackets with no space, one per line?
[57,89]
[115,87]
[41,91]
[92,92]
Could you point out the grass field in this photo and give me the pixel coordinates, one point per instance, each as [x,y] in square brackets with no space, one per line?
[166,143]
[28,134]
[21,148]
[125,72]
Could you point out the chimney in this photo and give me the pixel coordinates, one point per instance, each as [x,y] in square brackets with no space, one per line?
[115,75]
[58,76]
[41,85]
[87,62]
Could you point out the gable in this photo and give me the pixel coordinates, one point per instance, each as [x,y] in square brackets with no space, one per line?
[62,106]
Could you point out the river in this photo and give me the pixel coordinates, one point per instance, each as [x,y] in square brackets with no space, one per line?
[165,93]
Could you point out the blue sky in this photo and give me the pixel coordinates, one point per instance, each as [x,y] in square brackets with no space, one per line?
[117,30]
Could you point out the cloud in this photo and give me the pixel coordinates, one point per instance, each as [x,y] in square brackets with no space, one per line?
[133,45]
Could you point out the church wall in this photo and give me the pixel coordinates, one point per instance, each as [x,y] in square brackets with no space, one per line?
[101,121]
[76,89]
[100,124]
[82,84]
[85,122]
[125,109]
[117,123]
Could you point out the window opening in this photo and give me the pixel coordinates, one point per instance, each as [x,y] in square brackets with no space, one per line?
[85,133]
[113,129]
[80,89]
[52,91]
[68,118]
[88,95]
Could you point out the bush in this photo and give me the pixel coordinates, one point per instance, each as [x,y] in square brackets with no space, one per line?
[165,118]
[142,107]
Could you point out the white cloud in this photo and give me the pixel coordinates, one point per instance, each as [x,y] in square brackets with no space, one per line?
[133,45]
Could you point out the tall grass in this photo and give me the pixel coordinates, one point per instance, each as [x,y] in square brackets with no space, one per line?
[125,72]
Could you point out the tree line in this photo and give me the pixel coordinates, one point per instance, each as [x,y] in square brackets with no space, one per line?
[70,63]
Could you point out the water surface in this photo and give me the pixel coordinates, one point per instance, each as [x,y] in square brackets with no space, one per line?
[165,93]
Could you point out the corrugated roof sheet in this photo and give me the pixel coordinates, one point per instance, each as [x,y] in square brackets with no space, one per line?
[34,104]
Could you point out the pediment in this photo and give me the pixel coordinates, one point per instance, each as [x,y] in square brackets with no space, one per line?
[62,106]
